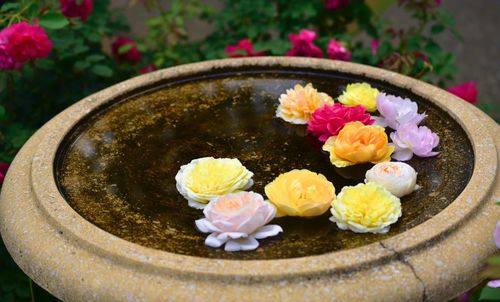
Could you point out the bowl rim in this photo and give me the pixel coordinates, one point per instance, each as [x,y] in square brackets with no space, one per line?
[60,215]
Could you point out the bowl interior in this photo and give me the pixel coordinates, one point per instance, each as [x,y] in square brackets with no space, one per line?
[116,168]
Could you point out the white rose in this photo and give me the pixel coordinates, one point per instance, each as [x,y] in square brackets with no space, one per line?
[238,220]
[398,178]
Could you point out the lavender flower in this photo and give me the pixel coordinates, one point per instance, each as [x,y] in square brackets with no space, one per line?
[397,111]
[410,139]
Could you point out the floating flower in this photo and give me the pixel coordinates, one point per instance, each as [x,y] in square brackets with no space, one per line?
[360,94]
[337,51]
[297,105]
[467,91]
[336,4]
[330,119]
[131,54]
[357,144]
[411,139]
[303,45]
[300,193]
[365,208]
[398,178]
[396,111]
[25,42]
[207,178]
[244,48]
[494,283]
[238,220]
[73,8]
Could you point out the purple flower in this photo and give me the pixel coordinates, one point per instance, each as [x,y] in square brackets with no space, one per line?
[336,4]
[497,235]
[494,283]
[337,51]
[303,45]
[397,111]
[411,139]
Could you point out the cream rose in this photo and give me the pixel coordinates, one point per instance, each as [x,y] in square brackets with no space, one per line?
[238,220]
[206,178]
[398,178]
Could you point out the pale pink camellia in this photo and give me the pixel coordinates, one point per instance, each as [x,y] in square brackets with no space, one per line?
[25,42]
[244,48]
[238,220]
[411,139]
[374,45]
[328,120]
[132,55]
[336,4]
[467,91]
[337,51]
[396,111]
[73,8]
[303,45]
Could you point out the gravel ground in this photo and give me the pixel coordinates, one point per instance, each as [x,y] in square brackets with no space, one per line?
[478,56]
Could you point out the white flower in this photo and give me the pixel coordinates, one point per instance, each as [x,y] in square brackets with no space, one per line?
[238,220]
[206,178]
[398,178]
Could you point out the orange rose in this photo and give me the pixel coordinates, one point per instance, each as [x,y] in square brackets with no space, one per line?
[357,144]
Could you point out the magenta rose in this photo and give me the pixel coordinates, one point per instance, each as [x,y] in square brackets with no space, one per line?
[303,45]
[7,62]
[328,120]
[467,91]
[336,4]
[147,69]
[71,8]
[337,51]
[244,48]
[3,171]
[25,42]
[374,45]
[132,55]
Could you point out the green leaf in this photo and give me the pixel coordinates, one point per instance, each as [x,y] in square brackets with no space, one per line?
[95,58]
[33,10]
[494,260]
[125,48]
[102,70]
[490,294]
[81,65]
[53,20]
[437,29]
[9,6]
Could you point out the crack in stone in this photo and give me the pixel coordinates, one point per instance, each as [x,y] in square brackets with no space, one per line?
[400,257]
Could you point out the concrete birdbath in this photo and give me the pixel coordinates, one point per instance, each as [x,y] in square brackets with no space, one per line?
[89,209]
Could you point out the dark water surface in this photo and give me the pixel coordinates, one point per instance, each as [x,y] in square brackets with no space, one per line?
[117,168]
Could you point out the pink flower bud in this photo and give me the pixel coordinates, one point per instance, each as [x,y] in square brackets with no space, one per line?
[303,45]
[70,8]
[336,51]
[132,55]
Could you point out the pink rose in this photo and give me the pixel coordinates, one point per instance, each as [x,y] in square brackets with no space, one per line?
[328,120]
[244,48]
[374,45]
[336,51]
[3,171]
[336,4]
[132,55]
[238,220]
[147,69]
[467,91]
[7,62]
[411,139]
[70,8]
[396,111]
[25,42]
[303,45]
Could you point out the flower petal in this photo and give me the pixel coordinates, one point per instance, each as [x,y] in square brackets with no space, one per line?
[267,231]
[402,154]
[213,241]
[246,244]
[205,226]
[196,205]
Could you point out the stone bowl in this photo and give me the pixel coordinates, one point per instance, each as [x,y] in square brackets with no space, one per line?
[90,212]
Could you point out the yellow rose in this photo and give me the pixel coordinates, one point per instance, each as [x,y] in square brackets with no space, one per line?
[365,208]
[207,178]
[300,193]
[298,103]
[357,143]
[360,94]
